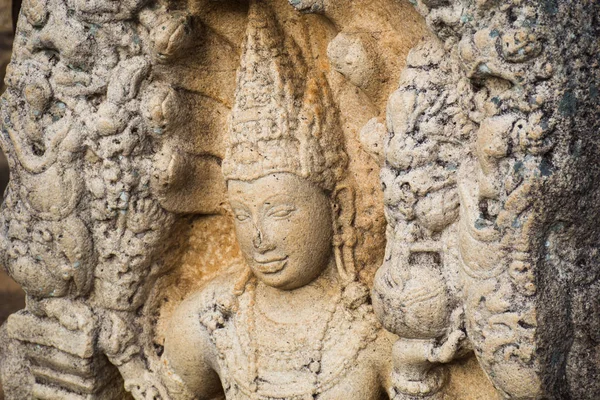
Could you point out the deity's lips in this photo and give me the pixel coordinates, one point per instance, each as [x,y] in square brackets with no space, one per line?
[270,266]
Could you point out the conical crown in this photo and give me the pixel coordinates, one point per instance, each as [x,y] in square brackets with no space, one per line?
[283,119]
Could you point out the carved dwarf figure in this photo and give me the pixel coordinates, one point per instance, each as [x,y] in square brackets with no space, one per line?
[298,323]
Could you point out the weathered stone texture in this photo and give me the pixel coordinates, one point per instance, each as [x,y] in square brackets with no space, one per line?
[441,155]
[11,295]
[516,82]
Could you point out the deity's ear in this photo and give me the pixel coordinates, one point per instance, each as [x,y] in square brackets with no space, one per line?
[344,236]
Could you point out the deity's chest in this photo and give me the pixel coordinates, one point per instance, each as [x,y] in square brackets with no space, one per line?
[295,361]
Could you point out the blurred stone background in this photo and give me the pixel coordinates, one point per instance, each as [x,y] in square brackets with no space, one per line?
[12,297]
[6,35]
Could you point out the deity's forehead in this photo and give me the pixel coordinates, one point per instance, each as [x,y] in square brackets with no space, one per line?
[282,185]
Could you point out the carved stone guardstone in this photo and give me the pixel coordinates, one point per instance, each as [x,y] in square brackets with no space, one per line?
[319,199]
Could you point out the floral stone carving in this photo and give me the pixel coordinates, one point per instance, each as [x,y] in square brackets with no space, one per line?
[302,200]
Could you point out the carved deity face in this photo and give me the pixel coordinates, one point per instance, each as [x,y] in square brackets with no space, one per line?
[284,228]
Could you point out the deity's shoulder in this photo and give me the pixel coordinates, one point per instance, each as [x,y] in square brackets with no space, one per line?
[212,302]
[190,352]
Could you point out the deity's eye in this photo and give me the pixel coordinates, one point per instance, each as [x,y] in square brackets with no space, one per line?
[281,211]
[241,216]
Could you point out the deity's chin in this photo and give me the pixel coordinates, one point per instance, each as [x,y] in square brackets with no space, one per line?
[281,279]
[281,282]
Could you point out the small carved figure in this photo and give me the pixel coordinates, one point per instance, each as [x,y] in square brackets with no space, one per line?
[297,324]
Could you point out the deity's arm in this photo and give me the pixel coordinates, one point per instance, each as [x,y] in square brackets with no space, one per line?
[189,361]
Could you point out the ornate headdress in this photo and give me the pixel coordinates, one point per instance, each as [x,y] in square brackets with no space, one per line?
[283,119]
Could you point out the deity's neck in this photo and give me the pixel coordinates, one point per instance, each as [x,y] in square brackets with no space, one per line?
[293,306]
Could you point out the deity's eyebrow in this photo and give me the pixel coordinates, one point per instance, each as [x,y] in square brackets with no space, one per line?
[285,197]
[238,204]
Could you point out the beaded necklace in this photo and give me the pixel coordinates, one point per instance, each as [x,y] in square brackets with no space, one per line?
[239,334]
[315,365]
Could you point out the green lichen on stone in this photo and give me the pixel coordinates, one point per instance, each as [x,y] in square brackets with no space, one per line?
[568,104]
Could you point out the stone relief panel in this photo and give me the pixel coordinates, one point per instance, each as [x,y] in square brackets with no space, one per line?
[202,192]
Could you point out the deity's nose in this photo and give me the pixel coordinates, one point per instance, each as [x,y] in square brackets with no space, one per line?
[259,241]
